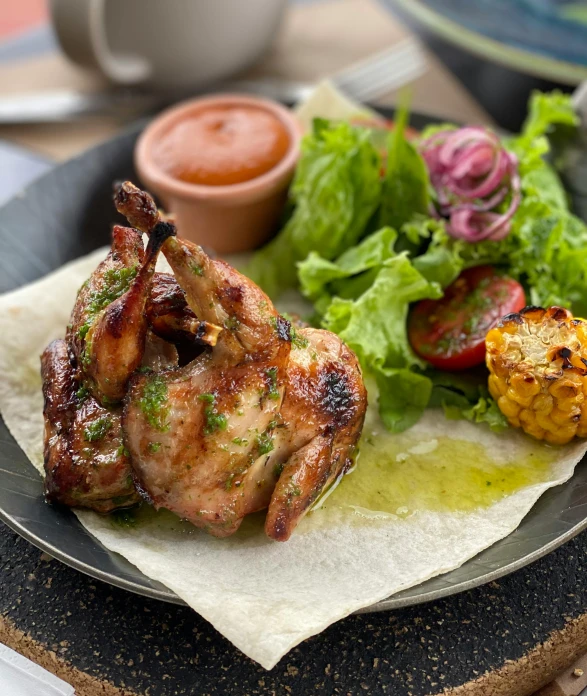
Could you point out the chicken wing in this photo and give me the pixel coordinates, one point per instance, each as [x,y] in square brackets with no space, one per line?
[109,325]
[322,419]
[170,318]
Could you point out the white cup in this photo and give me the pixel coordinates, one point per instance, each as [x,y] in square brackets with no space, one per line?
[166,43]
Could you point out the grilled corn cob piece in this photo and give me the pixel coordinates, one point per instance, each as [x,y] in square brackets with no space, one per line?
[537,361]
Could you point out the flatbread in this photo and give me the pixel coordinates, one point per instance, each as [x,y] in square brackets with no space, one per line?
[264,596]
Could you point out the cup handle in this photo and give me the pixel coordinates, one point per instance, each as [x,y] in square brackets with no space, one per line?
[81,29]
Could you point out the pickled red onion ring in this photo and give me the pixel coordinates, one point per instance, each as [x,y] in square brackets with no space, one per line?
[472,173]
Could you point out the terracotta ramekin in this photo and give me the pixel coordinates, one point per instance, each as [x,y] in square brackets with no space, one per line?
[228,219]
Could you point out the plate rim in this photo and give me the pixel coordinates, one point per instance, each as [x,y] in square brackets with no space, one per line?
[391,603]
[396,601]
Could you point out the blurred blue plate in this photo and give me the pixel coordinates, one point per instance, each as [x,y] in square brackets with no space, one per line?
[547,38]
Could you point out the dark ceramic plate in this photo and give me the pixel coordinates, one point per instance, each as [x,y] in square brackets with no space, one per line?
[67,213]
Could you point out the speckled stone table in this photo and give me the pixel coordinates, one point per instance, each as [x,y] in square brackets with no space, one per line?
[505,639]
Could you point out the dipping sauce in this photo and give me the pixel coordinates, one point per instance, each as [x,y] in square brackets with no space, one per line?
[223,145]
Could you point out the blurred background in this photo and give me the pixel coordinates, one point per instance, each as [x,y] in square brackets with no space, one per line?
[132,57]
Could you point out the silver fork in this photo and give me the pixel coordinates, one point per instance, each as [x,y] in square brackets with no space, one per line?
[382,72]
[366,80]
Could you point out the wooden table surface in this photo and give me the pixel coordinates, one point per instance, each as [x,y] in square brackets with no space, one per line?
[506,639]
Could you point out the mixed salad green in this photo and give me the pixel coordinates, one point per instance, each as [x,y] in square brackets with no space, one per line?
[370,234]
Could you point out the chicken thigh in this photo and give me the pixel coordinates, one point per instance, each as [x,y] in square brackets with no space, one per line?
[86,463]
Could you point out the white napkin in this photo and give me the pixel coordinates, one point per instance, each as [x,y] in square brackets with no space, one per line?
[21,677]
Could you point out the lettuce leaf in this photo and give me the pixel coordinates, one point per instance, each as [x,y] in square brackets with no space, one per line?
[546,111]
[336,190]
[406,186]
[374,325]
[464,396]
[403,396]
[349,275]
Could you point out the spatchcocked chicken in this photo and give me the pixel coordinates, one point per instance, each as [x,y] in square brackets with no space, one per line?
[191,391]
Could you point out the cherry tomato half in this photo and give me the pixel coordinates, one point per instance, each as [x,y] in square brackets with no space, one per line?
[450,333]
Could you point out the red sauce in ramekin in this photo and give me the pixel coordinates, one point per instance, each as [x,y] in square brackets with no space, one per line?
[223,145]
[222,165]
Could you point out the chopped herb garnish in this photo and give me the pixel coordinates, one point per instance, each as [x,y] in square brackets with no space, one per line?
[115,282]
[240,441]
[298,341]
[154,447]
[82,332]
[153,403]
[97,429]
[122,451]
[85,358]
[265,443]
[82,393]
[214,420]
[278,470]
[232,323]
[196,269]
[273,389]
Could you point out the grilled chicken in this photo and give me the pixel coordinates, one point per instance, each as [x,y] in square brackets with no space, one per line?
[233,409]
[255,422]
[321,420]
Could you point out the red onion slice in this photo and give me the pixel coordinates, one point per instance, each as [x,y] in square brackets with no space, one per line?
[472,174]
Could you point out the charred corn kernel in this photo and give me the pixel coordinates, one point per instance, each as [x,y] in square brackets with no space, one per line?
[509,408]
[497,387]
[537,361]
[543,403]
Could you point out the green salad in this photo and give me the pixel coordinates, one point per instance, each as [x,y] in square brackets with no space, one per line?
[371,233]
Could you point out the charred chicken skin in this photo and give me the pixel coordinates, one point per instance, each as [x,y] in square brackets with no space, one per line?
[264,416]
